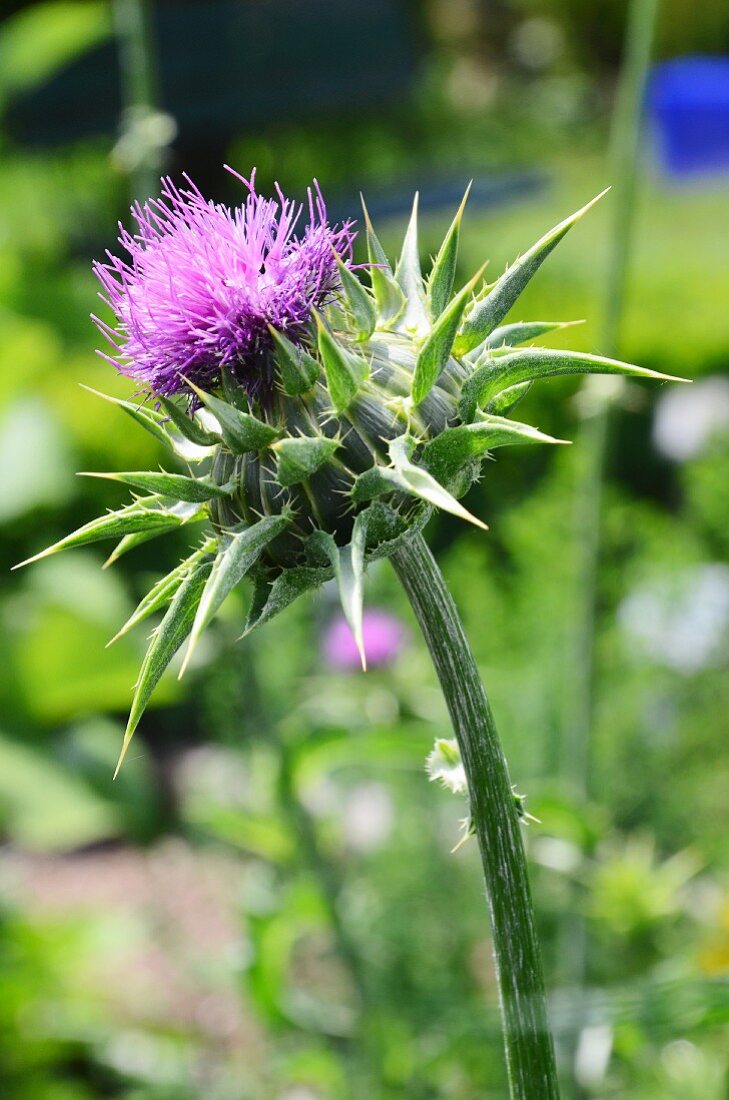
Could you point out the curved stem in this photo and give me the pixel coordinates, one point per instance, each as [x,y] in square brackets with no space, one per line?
[529,1050]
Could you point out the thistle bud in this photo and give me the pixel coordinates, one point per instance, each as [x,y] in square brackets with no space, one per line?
[323,414]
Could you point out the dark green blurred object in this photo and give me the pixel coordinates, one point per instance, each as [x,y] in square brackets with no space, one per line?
[227,67]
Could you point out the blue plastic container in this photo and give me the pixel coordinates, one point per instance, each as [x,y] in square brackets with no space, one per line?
[688,100]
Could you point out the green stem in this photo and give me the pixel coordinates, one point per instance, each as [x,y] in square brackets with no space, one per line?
[529,1051]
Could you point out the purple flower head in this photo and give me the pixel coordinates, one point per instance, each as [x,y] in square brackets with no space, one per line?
[383,634]
[201,283]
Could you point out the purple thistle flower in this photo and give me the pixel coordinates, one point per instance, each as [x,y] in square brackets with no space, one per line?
[203,282]
[383,634]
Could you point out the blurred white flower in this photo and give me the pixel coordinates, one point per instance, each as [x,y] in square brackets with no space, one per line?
[368,817]
[537,43]
[559,855]
[592,1058]
[686,417]
[681,621]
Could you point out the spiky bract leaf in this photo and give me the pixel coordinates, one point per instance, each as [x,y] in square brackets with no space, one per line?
[495,303]
[450,451]
[166,640]
[443,272]
[297,459]
[238,551]
[529,364]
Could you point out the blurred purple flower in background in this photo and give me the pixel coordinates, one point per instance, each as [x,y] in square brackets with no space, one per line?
[203,283]
[384,637]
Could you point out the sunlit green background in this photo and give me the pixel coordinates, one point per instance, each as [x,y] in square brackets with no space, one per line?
[178,933]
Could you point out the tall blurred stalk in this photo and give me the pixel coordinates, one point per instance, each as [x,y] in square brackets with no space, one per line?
[591,452]
[264,711]
[144,131]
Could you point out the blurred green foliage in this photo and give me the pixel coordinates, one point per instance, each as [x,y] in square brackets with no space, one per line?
[265,902]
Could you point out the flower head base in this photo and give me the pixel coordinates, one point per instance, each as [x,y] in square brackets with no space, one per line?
[336,414]
[203,283]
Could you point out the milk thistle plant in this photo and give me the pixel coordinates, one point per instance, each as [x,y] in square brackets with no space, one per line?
[323,411]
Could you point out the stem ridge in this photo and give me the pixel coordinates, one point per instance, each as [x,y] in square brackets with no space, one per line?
[527,1039]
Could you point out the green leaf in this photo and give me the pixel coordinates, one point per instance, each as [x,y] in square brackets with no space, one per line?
[359,301]
[241,431]
[300,457]
[409,278]
[507,400]
[269,599]
[445,455]
[529,364]
[187,424]
[520,333]
[166,640]
[164,590]
[436,350]
[239,550]
[492,307]
[345,372]
[405,477]
[146,515]
[192,490]
[150,419]
[158,424]
[388,295]
[443,272]
[131,542]
[233,392]
[297,370]
[348,564]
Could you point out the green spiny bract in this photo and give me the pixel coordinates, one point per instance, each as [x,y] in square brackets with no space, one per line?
[386,410]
